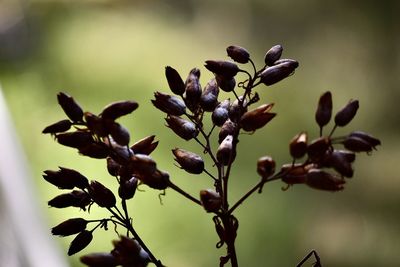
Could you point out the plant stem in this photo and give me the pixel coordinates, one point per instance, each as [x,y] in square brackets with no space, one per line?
[183,193]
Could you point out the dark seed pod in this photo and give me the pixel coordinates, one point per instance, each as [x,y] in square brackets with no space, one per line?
[70,107]
[356,144]
[189,161]
[227,84]
[70,227]
[366,137]
[95,124]
[95,150]
[223,68]
[322,180]
[119,133]
[210,200]
[127,189]
[112,167]
[276,73]
[183,128]
[58,127]
[265,166]
[101,195]
[76,198]
[145,145]
[193,90]
[298,145]
[347,113]
[175,81]
[76,139]
[99,260]
[221,113]
[287,60]
[66,178]
[324,110]
[238,54]
[209,97]
[121,154]
[225,151]
[143,164]
[318,147]
[129,253]
[118,109]
[156,180]
[339,160]
[81,241]
[257,118]
[169,104]
[228,128]
[273,55]
[237,109]
[294,174]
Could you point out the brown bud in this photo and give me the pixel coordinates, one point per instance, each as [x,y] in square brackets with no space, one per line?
[58,127]
[273,55]
[99,259]
[228,128]
[209,97]
[76,198]
[156,180]
[210,200]
[294,174]
[265,166]
[340,161]
[66,178]
[287,60]
[227,84]
[101,195]
[95,150]
[223,68]
[75,139]
[366,137]
[127,189]
[238,54]
[225,151]
[298,145]
[121,154]
[347,113]
[112,167]
[95,124]
[128,252]
[175,81]
[193,90]
[171,105]
[70,227]
[81,241]
[257,118]
[356,144]
[183,128]
[276,73]
[324,109]
[221,113]
[118,109]
[322,180]
[70,107]
[189,161]
[145,145]
[237,109]
[317,148]
[119,133]
[143,164]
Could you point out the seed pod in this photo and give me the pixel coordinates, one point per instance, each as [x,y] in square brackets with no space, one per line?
[366,137]
[324,109]
[339,160]
[322,180]
[119,133]
[70,227]
[210,200]
[157,180]
[225,151]
[128,252]
[121,154]
[227,84]
[209,97]
[81,241]
[257,118]
[222,68]
[357,144]
[221,113]
[75,139]
[183,128]
[237,109]
[273,55]
[145,145]
[175,81]
[66,178]
[347,113]
[189,161]
[101,195]
[118,109]
[76,198]
[70,107]
[193,90]
[127,189]
[276,73]
[228,128]
[287,60]
[99,260]
[95,150]
[298,145]
[318,147]
[95,124]
[169,104]
[112,167]
[238,54]
[265,166]
[58,127]
[294,174]
[143,164]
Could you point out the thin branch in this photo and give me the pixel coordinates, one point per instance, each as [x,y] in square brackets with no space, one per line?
[183,193]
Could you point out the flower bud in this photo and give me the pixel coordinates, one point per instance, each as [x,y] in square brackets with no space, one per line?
[175,81]
[356,144]
[118,109]
[70,227]
[66,178]
[128,252]
[228,128]
[237,109]
[347,113]
[75,139]
[70,107]
[265,166]
[189,161]
[143,164]
[193,90]
[171,105]
[99,259]
[227,84]
[366,137]
[76,198]
[58,127]
[221,113]
[273,55]
[238,54]
[225,151]
[101,195]
[276,73]
[209,97]
[127,189]
[294,173]
[210,200]
[95,124]
[317,148]
[223,68]
[298,145]
[157,180]
[112,167]
[81,241]
[145,145]
[324,109]
[322,180]
[287,60]
[257,118]
[119,133]
[183,128]
[340,161]
[95,150]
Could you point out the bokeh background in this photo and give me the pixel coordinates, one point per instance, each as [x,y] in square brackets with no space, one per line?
[106,50]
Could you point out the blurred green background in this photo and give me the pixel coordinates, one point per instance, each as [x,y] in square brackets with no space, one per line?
[101,51]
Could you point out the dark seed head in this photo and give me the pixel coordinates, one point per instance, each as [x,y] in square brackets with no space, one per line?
[145,145]
[225,151]
[101,195]
[95,150]
[175,81]
[340,161]
[193,90]
[210,200]
[347,113]
[75,139]
[221,113]
[66,178]
[112,167]
[298,145]
[265,166]
[118,109]
[228,128]
[81,241]
[95,124]
[70,107]
[76,198]
[257,118]
[322,180]
[324,109]
[183,128]
[209,97]
[70,227]
[127,188]
[366,137]
[238,54]
[156,180]
[276,73]
[273,55]
[189,161]
[99,259]
[294,174]
[318,147]
[223,68]
[119,133]
[58,127]
[357,144]
[169,104]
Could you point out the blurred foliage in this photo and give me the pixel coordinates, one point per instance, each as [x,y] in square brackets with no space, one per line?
[101,51]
